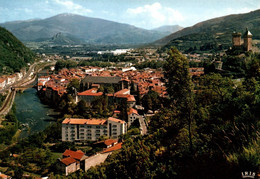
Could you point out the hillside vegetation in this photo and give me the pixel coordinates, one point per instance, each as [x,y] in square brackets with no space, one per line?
[13,54]
[214,34]
[212,133]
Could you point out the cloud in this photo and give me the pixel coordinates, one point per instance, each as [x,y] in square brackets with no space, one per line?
[72,7]
[154,15]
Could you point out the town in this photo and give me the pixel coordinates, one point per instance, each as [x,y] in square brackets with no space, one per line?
[84,97]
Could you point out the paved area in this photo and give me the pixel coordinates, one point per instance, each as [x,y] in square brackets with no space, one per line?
[143,127]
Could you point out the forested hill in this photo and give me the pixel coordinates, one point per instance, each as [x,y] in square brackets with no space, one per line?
[214,33]
[13,54]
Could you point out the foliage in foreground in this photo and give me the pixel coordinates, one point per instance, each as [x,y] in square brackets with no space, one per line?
[207,133]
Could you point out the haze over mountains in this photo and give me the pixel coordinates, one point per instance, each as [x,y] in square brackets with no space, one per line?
[215,32]
[74,29]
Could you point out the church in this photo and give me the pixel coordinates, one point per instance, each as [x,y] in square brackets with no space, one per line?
[245,44]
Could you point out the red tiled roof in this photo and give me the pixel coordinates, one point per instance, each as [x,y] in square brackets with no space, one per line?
[131,111]
[74,154]
[130,98]
[67,161]
[2,80]
[110,141]
[116,120]
[115,147]
[123,92]
[84,121]
[90,92]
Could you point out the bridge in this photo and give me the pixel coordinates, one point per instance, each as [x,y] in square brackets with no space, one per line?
[22,88]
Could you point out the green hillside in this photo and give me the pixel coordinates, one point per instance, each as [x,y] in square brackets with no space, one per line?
[13,54]
[214,34]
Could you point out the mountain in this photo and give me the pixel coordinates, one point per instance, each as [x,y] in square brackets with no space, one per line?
[168,29]
[61,39]
[87,29]
[214,33]
[13,54]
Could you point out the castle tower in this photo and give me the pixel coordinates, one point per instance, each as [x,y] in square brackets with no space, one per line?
[247,40]
[236,39]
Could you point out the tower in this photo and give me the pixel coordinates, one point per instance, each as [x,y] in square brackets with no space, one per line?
[247,40]
[236,39]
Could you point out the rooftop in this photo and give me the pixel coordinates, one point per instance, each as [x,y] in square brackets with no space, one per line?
[116,120]
[67,161]
[84,121]
[115,147]
[74,154]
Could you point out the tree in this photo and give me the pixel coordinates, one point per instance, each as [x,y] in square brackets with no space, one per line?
[73,85]
[176,71]
[179,86]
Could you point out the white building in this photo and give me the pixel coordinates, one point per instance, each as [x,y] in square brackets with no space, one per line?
[132,116]
[91,129]
[2,83]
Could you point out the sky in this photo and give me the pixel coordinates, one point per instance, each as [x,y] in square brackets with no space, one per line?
[146,14]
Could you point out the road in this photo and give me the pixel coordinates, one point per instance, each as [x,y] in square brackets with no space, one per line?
[143,126]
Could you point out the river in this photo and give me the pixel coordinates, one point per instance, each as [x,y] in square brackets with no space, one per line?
[31,112]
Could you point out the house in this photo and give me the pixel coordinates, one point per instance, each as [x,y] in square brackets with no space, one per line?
[106,143]
[91,129]
[124,96]
[2,83]
[71,161]
[3,176]
[115,81]
[89,95]
[132,116]
[11,79]
[113,148]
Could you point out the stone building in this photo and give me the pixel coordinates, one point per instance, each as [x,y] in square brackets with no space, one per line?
[245,44]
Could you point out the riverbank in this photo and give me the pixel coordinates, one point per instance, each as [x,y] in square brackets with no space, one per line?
[32,114]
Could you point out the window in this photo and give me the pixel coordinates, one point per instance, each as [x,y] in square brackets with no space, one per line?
[67,138]
[114,125]
[81,133]
[89,134]
[97,134]
[114,130]
[89,127]
[89,138]
[97,127]
[88,130]
[97,131]
[114,133]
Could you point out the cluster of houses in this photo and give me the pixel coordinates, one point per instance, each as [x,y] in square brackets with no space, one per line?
[72,161]
[7,80]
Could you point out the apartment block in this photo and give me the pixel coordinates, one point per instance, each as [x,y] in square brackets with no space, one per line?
[91,129]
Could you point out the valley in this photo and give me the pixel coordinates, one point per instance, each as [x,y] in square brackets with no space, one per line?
[86,97]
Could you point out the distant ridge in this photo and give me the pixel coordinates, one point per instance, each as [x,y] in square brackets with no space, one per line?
[85,29]
[215,31]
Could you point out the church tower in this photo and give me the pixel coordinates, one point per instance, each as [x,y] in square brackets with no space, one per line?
[247,40]
[236,39]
